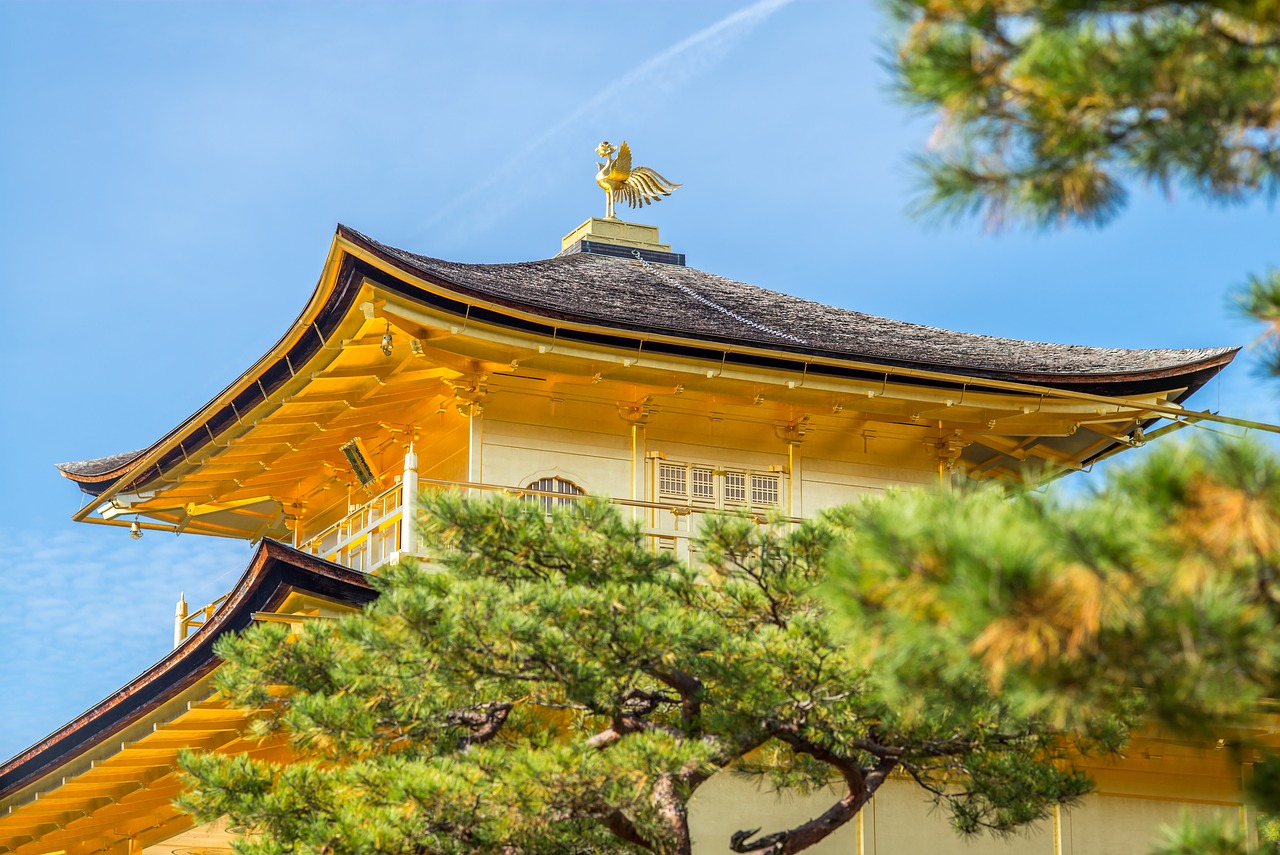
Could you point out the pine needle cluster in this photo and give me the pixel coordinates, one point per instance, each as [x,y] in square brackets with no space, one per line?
[1048,109]
[1157,597]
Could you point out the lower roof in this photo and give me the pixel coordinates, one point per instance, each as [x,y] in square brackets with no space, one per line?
[274,572]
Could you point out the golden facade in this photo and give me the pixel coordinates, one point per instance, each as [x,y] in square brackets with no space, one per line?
[615,370]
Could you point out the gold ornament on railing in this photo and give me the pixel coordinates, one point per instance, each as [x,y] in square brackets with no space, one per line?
[636,186]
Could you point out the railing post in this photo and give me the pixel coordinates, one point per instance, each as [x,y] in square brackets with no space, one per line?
[180,620]
[409,504]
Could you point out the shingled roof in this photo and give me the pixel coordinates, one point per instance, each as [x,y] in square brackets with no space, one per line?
[100,466]
[708,312]
[670,299]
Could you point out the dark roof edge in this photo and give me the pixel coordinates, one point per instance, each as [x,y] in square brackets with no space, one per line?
[274,571]
[98,475]
[595,247]
[96,479]
[1218,358]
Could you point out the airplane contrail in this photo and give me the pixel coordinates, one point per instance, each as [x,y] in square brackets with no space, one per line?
[716,36]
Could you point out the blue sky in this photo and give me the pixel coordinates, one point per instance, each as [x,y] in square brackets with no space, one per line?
[171,174]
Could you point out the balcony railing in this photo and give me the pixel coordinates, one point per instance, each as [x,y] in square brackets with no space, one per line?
[185,623]
[366,538]
[372,535]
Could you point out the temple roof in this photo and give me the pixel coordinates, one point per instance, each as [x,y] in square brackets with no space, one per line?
[99,466]
[627,302]
[631,295]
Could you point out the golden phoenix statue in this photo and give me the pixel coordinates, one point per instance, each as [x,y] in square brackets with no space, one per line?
[637,186]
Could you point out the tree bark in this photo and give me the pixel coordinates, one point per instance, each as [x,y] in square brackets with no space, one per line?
[676,815]
[861,785]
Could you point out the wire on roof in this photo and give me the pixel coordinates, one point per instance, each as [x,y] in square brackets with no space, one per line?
[689,292]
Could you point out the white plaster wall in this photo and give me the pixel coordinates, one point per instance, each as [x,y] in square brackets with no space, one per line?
[1120,825]
[728,803]
[901,821]
[515,454]
[829,483]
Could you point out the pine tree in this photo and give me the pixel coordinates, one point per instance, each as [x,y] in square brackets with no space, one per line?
[557,686]
[1047,109]
[1160,591]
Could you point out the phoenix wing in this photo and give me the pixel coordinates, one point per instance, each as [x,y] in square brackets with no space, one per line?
[644,185]
[620,166]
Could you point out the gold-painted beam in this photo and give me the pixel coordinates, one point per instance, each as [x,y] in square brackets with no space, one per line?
[276,617]
[194,510]
[215,531]
[282,420]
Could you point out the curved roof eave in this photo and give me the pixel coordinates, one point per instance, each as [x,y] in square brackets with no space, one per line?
[1096,370]
[328,301]
[274,570]
[631,298]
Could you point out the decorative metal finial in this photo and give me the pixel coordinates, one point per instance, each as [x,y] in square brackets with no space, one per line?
[637,187]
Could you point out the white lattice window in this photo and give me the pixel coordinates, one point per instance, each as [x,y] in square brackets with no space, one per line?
[555,485]
[731,488]
[702,484]
[673,480]
[735,488]
[764,490]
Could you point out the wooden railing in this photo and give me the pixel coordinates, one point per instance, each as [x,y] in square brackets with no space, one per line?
[372,534]
[366,538]
[669,525]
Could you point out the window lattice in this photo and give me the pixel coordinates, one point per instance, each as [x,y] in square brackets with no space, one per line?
[703,484]
[764,490]
[672,480]
[735,488]
[732,488]
[555,485]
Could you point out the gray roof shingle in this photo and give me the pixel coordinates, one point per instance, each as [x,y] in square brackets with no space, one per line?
[678,301]
[626,294]
[100,465]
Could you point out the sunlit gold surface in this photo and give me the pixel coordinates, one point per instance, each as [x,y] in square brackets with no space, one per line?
[491,406]
[280,467]
[637,186]
[618,233]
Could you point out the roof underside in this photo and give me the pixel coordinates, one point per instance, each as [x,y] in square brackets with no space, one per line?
[629,301]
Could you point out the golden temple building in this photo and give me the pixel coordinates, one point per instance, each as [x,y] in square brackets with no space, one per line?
[611,369]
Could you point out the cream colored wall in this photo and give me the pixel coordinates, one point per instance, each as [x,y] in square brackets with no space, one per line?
[838,467]
[828,483]
[526,437]
[900,821]
[598,460]
[727,803]
[1118,825]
